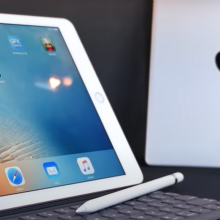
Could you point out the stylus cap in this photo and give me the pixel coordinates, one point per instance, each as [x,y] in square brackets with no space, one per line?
[82,209]
[179,177]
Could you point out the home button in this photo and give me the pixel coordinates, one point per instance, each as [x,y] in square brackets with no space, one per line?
[99,97]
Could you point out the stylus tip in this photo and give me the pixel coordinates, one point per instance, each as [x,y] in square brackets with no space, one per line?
[82,209]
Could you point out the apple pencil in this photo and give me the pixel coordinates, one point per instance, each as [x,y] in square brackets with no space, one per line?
[106,201]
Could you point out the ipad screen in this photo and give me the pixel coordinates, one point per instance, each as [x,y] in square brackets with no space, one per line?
[50,132]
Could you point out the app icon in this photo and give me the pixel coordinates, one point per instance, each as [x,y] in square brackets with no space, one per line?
[14,175]
[47,44]
[15,43]
[51,170]
[85,165]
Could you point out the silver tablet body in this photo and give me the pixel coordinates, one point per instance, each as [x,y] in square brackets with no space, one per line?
[59,137]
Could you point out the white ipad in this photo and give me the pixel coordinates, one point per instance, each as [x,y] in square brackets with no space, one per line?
[183,120]
[59,137]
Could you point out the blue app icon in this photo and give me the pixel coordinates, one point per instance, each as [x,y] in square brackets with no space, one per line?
[15,43]
[14,176]
[52,170]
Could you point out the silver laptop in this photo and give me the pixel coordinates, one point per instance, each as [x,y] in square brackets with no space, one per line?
[183,120]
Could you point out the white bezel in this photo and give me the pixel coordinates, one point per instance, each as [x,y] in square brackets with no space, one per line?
[108,118]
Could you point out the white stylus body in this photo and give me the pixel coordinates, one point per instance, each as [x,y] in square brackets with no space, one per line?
[129,193]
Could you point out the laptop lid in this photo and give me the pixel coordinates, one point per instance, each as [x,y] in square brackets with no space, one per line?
[183,120]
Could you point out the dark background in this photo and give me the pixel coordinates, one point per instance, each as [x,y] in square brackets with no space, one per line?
[116,35]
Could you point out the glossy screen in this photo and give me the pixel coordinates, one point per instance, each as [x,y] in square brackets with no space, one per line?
[50,132]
